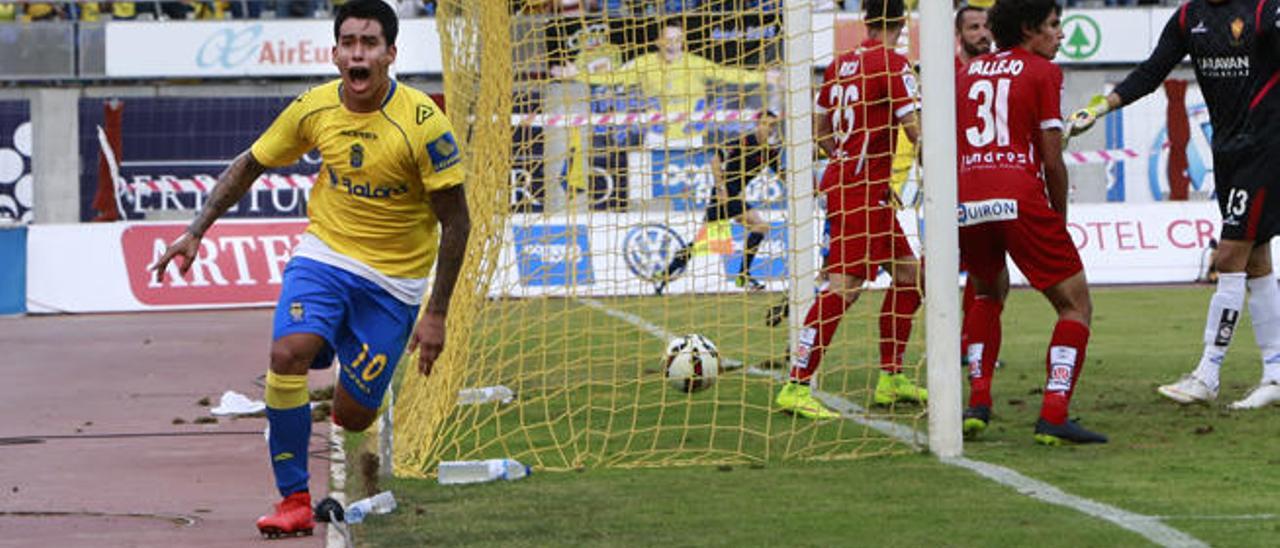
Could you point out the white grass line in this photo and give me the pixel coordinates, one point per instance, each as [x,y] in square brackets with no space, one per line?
[1223,517]
[1149,527]
[335,536]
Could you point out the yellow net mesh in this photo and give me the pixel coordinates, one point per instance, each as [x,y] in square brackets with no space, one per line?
[593,143]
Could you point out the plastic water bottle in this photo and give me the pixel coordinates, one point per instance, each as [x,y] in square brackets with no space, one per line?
[472,396]
[480,471]
[381,503]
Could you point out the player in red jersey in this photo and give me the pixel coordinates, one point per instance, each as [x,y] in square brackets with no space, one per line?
[1009,136]
[973,38]
[866,95]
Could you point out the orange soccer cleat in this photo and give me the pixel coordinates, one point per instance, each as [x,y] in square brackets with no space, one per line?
[293,517]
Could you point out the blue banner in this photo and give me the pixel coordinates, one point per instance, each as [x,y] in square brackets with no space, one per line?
[173,147]
[553,255]
[15,161]
[684,177]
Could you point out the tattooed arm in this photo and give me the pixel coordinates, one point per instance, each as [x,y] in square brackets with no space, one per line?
[450,206]
[232,184]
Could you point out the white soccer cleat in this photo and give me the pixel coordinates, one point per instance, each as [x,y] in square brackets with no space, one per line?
[1263,395]
[1189,389]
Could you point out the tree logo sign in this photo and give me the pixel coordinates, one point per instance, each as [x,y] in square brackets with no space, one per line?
[1083,37]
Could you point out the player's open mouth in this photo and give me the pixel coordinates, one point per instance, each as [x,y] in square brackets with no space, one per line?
[358,73]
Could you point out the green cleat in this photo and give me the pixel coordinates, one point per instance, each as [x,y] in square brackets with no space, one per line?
[797,399]
[896,387]
[1055,435]
[976,419]
[745,281]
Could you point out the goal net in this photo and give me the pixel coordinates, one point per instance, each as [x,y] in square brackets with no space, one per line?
[594,141]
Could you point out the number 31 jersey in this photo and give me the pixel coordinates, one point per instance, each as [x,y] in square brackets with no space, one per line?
[864,92]
[1003,101]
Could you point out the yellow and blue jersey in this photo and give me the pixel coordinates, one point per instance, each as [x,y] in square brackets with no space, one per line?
[904,161]
[679,85]
[370,201]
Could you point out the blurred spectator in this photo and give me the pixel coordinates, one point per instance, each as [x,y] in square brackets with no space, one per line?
[407,8]
[84,11]
[241,9]
[8,12]
[295,8]
[175,10]
[124,11]
[43,11]
[208,10]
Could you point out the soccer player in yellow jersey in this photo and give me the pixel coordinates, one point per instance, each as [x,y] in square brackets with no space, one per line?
[676,77]
[388,202]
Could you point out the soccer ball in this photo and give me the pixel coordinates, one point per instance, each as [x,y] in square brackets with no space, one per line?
[692,363]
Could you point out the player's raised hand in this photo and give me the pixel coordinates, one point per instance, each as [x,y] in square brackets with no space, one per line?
[1081,120]
[186,246]
[428,339]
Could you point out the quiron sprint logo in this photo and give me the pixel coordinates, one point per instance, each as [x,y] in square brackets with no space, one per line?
[649,248]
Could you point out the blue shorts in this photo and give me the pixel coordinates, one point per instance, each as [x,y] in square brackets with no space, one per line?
[363,324]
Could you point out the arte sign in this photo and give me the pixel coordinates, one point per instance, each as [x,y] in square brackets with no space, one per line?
[238,263]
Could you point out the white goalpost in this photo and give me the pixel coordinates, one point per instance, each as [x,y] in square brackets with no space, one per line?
[798,55]
[941,241]
[942,314]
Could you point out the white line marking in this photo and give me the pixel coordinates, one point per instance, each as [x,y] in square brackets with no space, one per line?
[1149,527]
[1224,517]
[334,536]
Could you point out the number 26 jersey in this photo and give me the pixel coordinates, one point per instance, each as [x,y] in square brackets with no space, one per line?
[865,92]
[1003,101]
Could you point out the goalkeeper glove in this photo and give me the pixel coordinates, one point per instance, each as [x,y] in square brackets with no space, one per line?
[1081,120]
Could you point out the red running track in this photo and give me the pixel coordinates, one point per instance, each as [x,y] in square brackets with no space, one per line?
[107,466]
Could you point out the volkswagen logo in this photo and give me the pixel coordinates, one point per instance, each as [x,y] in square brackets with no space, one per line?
[649,248]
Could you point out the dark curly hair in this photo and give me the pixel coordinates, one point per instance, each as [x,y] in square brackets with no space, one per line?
[1008,19]
[889,14]
[368,9]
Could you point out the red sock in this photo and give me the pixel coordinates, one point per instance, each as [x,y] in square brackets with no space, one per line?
[1063,363]
[966,303]
[896,315]
[819,327]
[982,322]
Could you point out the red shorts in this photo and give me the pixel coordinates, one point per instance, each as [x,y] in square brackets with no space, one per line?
[1035,236]
[864,237]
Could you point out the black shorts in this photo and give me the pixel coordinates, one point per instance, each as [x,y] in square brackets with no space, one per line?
[1247,177]
[727,209]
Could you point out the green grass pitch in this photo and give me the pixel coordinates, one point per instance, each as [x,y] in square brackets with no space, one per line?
[1209,473]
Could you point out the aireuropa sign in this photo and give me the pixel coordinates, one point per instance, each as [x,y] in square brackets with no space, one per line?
[249,48]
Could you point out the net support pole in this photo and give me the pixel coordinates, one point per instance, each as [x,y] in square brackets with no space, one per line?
[798,99]
[941,243]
